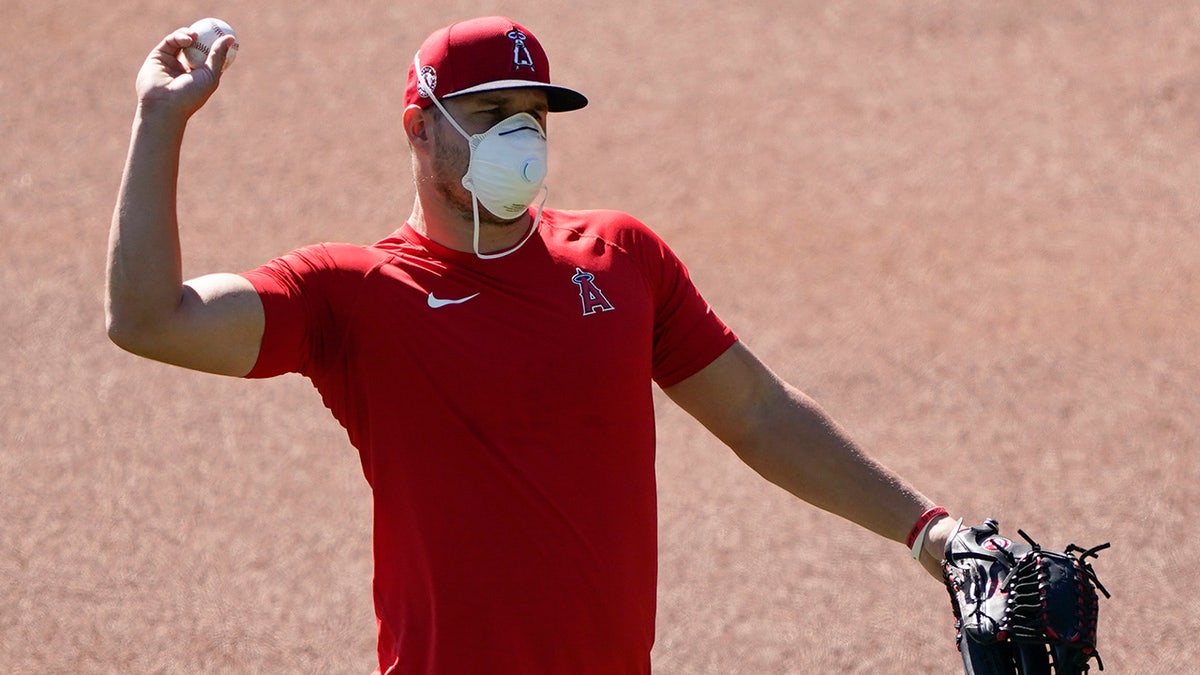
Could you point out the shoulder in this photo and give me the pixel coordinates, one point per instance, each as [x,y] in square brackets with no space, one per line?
[325,268]
[616,228]
[331,257]
[594,220]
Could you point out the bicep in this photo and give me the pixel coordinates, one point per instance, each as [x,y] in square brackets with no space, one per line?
[217,327]
[730,395]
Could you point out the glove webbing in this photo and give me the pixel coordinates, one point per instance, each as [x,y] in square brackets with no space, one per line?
[1031,618]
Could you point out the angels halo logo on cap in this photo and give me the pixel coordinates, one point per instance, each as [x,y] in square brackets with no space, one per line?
[429,75]
[485,54]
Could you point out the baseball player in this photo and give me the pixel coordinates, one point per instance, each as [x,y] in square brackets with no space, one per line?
[492,360]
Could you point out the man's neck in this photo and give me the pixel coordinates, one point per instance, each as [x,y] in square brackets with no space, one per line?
[448,227]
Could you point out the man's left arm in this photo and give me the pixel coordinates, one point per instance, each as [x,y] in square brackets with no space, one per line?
[788,439]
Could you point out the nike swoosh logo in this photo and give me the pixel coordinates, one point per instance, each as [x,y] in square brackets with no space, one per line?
[436,302]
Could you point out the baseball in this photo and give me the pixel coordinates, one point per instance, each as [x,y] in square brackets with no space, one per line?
[209,31]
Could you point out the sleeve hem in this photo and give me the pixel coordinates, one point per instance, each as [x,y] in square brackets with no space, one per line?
[728,339]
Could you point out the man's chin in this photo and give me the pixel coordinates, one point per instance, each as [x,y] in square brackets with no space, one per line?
[466,209]
[488,218]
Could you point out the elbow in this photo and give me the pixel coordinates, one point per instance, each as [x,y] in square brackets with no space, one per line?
[120,332]
[752,441]
[127,331]
[113,324]
[778,432]
[754,454]
[132,321]
[117,323]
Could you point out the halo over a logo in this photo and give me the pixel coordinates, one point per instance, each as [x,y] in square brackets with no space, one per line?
[426,81]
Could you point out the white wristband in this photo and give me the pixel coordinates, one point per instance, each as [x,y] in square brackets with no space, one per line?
[920,540]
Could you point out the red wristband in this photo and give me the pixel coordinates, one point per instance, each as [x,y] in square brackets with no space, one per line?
[923,522]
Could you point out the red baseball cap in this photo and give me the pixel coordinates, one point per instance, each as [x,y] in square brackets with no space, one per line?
[485,54]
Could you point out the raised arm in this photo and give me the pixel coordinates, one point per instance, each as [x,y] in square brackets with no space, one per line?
[213,323]
[788,439]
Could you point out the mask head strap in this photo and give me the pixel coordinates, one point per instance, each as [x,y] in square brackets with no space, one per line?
[423,86]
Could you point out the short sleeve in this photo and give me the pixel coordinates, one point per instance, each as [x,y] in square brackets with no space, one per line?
[306,295]
[688,334]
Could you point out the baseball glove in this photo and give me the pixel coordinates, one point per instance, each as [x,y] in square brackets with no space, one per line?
[1020,609]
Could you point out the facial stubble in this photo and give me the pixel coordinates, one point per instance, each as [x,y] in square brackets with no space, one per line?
[451,158]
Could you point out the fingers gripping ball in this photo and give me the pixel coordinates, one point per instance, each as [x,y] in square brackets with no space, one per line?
[208,31]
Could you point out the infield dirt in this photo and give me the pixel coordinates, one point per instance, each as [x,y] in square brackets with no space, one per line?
[968,229]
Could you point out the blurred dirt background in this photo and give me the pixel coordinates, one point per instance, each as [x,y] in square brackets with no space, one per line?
[969,229]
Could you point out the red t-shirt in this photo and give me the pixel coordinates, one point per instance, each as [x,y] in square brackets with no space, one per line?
[503,412]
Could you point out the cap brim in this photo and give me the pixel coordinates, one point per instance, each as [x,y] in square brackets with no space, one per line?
[560,99]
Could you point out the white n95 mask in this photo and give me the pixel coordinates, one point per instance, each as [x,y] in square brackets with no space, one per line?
[508,165]
[507,168]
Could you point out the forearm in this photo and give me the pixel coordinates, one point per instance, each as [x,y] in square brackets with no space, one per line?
[797,446]
[145,280]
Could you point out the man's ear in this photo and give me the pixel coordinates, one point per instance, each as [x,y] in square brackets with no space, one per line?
[417,126]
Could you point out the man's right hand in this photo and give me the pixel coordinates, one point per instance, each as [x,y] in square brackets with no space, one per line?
[165,85]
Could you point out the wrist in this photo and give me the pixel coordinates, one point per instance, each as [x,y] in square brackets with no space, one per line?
[159,116]
[916,535]
[938,536]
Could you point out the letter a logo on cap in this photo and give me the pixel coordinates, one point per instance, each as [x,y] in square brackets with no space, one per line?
[521,55]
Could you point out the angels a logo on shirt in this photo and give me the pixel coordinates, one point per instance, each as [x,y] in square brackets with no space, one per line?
[589,293]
